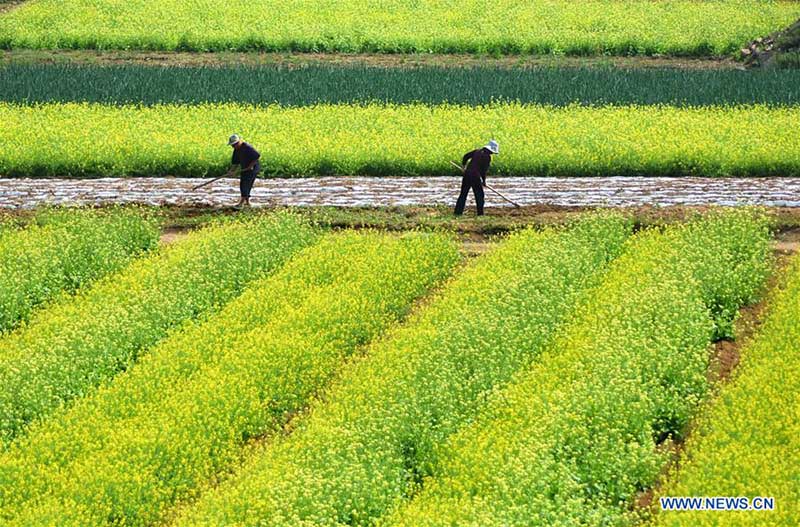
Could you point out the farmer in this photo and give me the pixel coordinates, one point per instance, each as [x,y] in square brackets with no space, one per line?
[475,175]
[246,157]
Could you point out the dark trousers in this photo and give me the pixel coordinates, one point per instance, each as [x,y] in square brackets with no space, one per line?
[474,183]
[246,180]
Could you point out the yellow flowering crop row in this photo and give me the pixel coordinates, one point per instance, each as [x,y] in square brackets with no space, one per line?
[63,250]
[72,346]
[97,140]
[183,413]
[573,439]
[374,437]
[746,443]
[683,27]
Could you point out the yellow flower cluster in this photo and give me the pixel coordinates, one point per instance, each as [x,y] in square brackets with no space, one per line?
[588,27]
[747,441]
[97,140]
[74,345]
[64,250]
[372,437]
[571,440]
[183,413]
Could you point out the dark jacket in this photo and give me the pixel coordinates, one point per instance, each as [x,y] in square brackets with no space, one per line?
[480,160]
[245,155]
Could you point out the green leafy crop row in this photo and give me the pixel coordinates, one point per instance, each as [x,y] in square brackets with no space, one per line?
[588,27]
[316,84]
[373,438]
[64,250]
[184,413]
[746,443]
[574,438]
[75,345]
[412,140]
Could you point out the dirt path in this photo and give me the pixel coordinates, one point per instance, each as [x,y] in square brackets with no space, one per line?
[393,191]
[8,5]
[787,243]
[338,59]
[173,234]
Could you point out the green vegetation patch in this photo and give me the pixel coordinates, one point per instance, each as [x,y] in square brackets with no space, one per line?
[70,348]
[63,250]
[746,442]
[373,438]
[573,440]
[309,85]
[409,140]
[186,411]
[780,50]
[624,27]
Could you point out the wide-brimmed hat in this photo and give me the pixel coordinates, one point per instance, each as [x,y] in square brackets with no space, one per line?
[232,140]
[493,147]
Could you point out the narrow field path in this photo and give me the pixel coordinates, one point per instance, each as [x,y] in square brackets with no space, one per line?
[289,60]
[390,191]
[8,5]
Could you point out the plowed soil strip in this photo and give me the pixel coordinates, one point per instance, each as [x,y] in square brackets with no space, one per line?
[290,60]
[392,191]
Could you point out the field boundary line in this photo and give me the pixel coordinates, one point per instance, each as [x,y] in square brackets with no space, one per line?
[299,60]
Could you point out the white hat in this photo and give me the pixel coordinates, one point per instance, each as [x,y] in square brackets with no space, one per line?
[493,147]
[232,140]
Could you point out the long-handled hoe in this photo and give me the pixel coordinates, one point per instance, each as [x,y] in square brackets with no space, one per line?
[462,169]
[229,173]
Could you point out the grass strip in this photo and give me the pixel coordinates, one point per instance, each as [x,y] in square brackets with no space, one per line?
[318,84]
[373,438]
[73,346]
[64,250]
[374,140]
[746,441]
[185,411]
[591,27]
[574,438]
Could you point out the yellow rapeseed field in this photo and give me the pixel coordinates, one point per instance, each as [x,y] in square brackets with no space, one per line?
[185,412]
[64,250]
[74,345]
[747,441]
[572,440]
[588,27]
[98,140]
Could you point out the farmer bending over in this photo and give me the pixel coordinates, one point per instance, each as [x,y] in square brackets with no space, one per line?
[475,175]
[246,157]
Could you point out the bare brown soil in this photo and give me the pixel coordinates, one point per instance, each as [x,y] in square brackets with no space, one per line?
[290,60]
[172,234]
[8,5]
[788,242]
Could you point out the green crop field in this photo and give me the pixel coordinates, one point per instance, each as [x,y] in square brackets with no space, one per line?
[76,344]
[410,140]
[574,437]
[62,251]
[315,84]
[747,441]
[248,374]
[367,378]
[178,362]
[642,27]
